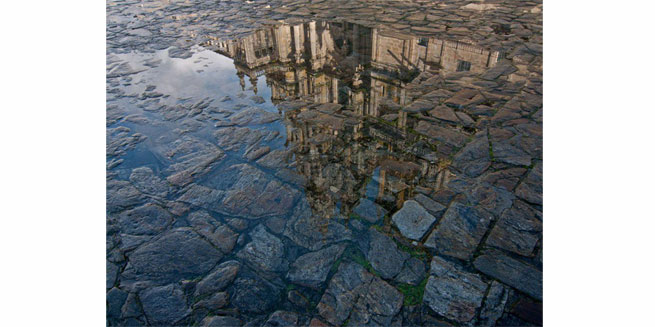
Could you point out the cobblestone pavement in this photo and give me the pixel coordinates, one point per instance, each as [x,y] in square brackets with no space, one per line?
[324,163]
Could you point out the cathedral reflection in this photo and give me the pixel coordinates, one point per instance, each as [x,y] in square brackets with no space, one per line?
[341,87]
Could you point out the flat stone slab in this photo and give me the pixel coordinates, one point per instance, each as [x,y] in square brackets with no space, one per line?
[177,255]
[265,252]
[148,219]
[253,294]
[217,233]
[512,272]
[311,269]
[384,255]
[518,230]
[313,232]
[474,158]
[531,188]
[164,305]
[460,231]
[452,292]
[219,279]
[413,220]
[369,210]
[356,293]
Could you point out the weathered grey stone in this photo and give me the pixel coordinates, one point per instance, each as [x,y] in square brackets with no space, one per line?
[131,308]
[491,199]
[148,219]
[441,134]
[531,188]
[413,272]
[494,304]
[474,158]
[512,272]
[419,106]
[460,231]
[444,113]
[257,153]
[115,299]
[353,292]
[413,220]
[203,197]
[313,232]
[221,321]
[112,274]
[298,299]
[164,305]
[178,254]
[216,301]
[217,233]
[311,269]
[265,252]
[219,279]
[507,178]
[383,254]
[145,180]
[255,194]
[369,210]
[122,195]
[452,292]
[282,318]
[507,153]
[518,230]
[435,208]
[253,294]
[350,281]
[377,306]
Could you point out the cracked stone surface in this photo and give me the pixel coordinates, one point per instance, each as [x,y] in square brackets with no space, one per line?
[323,163]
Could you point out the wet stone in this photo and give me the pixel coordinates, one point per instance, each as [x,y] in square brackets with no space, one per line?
[474,158]
[355,292]
[112,272]
[531,189]
[298,299]
[122,195]
[453,292]
[115,300]
[179,254]
[441,134]
[214,302]
[383,254]
[282,318]
[265,252]
[494,304]
[311,269]
[518,230]
[433,207]
[312,232]
[219,279]
[512,272]
[148,219]
[145,180]
[253,294]
[221,321]
[412,273]
[218,234]
[369,210]
[460,231]
[164,305]
[413,220]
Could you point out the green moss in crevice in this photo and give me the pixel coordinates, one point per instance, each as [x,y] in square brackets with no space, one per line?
[413,295]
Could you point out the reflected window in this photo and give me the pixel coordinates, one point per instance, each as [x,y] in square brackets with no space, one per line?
[463,66]
[423,41]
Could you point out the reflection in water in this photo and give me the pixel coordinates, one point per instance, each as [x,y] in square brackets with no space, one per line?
[256,179]
[345,72]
